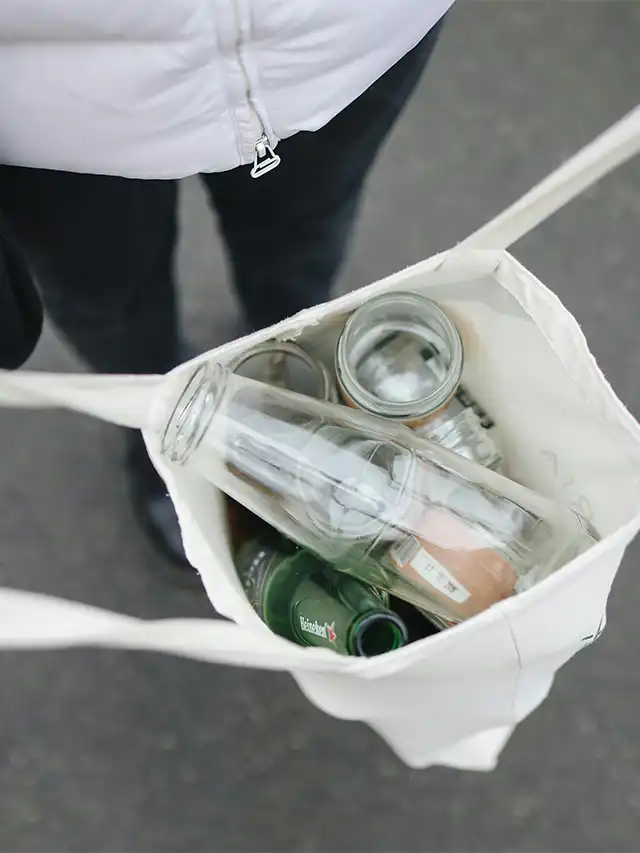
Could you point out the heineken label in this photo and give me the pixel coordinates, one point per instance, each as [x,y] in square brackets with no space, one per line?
[319,616]
[325,630]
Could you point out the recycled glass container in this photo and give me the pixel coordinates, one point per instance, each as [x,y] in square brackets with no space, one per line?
[308,602]
[401,357]
[366,495]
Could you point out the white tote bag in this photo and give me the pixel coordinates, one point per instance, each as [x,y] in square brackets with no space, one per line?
[454,698]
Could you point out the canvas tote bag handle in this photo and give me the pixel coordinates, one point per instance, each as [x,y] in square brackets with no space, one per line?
[32,621]
[612,148]
[123,400]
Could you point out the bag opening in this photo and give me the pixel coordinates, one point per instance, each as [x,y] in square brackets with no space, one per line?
[563,431]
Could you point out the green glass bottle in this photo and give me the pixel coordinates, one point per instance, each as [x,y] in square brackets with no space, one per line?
[303,599]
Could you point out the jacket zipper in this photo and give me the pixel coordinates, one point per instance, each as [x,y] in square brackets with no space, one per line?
[265,158]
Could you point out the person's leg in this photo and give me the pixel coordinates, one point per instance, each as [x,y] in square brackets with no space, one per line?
[287,232]
[102,251]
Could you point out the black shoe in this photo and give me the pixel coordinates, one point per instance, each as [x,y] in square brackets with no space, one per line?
[154,508]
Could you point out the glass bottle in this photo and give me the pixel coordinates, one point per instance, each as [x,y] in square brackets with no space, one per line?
[401,357]
[304,600]
[367,495]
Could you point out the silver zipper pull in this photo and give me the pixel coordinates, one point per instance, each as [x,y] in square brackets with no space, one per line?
[265,158]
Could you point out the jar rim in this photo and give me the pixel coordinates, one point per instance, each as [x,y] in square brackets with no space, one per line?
[424,406]
[327,392]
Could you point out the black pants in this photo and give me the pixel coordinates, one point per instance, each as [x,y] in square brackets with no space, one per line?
[103,247]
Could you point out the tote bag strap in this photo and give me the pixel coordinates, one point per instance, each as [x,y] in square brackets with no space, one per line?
[612,148]
[33,621]
[123,400]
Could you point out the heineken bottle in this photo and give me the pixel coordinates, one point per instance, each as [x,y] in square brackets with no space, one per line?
[303,599]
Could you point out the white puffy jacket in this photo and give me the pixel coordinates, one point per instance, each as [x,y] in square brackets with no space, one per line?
[168,88]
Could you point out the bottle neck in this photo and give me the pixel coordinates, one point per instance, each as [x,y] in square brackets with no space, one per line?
[336,611]
[377,633]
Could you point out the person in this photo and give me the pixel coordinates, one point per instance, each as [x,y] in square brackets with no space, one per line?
[280,105]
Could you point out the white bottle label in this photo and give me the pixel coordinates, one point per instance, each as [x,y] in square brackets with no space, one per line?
[411,552]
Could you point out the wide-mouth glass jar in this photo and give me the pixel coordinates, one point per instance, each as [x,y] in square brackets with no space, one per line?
[401,357]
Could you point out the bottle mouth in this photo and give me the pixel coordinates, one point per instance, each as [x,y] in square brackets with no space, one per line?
[379,633]
[428,330]
[192,412]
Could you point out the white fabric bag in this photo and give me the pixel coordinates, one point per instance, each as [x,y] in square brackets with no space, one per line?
[454,698]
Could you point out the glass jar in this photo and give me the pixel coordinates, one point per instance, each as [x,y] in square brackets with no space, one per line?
[459,427]
[367,495]
[286,365]
[399,356]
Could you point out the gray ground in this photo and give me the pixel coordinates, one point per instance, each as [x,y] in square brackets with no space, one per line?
[113,751]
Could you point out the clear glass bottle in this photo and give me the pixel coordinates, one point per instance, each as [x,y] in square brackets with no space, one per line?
[401,357]
[367,495]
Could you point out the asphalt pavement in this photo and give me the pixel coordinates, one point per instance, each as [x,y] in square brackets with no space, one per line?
[107,750]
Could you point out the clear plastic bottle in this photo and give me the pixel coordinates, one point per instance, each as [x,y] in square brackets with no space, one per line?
[368,496]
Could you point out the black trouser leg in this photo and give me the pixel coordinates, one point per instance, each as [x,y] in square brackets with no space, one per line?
[102,249]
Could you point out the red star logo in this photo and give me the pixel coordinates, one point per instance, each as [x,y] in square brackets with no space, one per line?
[331,632]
